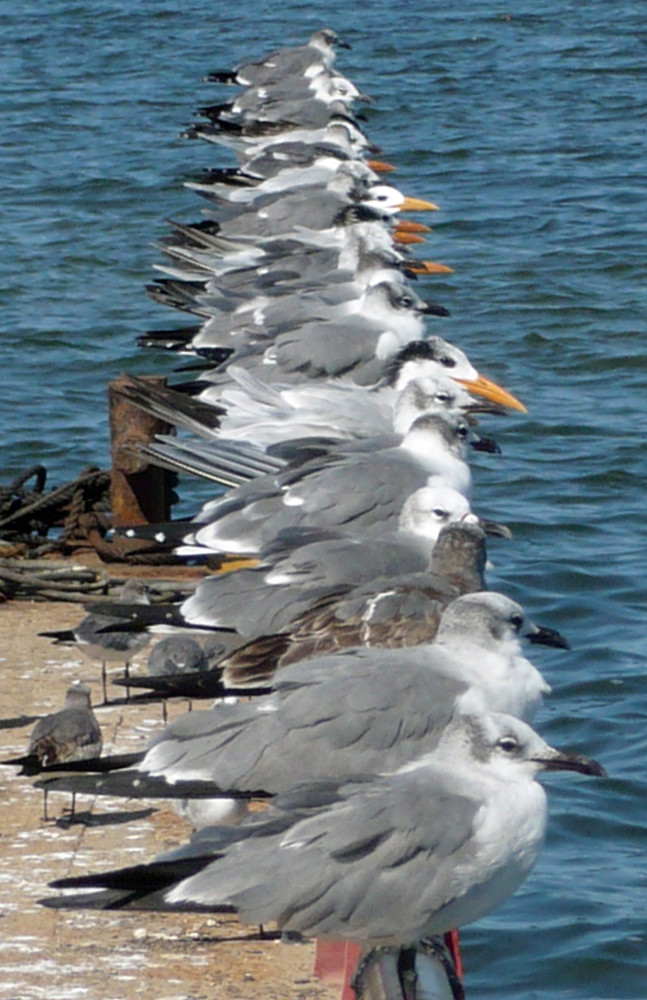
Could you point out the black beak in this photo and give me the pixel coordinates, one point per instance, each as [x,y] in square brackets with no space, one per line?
[486,444]
[433,309]
[563,761]
[490,408]
[495,528]
[542,636]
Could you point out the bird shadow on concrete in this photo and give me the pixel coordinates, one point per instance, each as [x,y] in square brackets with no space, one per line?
[87,818]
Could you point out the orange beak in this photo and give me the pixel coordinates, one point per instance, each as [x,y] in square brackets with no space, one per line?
[409,226]
[417,205]
[399,237]
[380,167]
[430,267]
[482,386]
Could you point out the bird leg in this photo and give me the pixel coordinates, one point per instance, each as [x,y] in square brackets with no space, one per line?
[453,947]
[331,960]
[352,955]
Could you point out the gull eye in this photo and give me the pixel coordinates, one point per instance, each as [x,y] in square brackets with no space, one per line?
[462,431]
[516,620]
[508,744]
[406,302]
[442,396]
[440,513]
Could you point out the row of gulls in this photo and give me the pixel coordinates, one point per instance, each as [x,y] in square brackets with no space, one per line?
[374,697]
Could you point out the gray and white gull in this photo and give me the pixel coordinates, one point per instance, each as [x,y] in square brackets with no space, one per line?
[357,711]
[382,859]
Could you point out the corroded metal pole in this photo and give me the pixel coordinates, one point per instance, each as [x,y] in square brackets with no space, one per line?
[140,493]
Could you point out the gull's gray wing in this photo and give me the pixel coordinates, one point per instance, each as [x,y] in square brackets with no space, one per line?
[375,864]
[327,349]
[327,718]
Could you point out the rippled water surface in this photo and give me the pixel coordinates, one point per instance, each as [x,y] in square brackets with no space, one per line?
[527,125]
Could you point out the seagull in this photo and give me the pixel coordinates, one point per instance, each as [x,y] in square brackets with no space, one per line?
[358,486]
[266,174]
[176,654]
[291,623]
[385,859]
[233,460]
[311,583]
[431,356]
[370,481]
[327,275]
[334,593]
[318,591]
[247,142]
[363,243]
[301,246]
[389,303]
[263,415]
[403,609]
[173,655]
[71,734]
[291,62]
[360,710]
[89,635]
[302,101]
[350,182]
[317,208]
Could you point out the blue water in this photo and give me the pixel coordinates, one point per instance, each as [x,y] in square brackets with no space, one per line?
[527,125]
